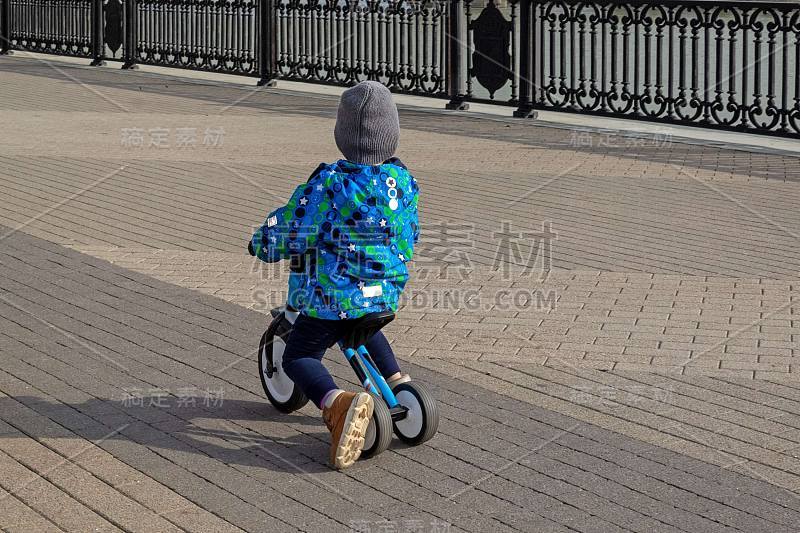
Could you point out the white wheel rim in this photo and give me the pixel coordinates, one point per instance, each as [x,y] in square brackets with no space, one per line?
[370,435]
[279,385]
[411,425]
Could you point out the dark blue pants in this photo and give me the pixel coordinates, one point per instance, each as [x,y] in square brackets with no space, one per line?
[310,337]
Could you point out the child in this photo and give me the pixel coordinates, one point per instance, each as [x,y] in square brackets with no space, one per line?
[349,231]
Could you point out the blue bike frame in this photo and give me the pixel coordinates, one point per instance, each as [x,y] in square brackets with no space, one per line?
[372,380]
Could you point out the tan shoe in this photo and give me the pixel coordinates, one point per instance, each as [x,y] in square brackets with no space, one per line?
[347,419]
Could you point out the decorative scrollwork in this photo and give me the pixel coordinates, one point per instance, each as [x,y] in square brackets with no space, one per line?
[688,106]
[727,65]
[400,43]
[619,98]
[586,96]
[175,33]
[60,27]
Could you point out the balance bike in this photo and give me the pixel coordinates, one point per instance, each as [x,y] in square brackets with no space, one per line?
[408,408]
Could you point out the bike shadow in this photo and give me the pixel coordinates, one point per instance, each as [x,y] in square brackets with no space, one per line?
[234,431]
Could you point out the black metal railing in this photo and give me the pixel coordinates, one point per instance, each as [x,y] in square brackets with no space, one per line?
[731,65]
[400,43]
[49,26]
[719,64]
[215,35]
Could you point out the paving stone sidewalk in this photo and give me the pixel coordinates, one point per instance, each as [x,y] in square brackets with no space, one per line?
[674,250]
[613,341]
[131,404]
[605,320]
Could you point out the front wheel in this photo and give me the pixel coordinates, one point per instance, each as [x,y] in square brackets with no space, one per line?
[422,419]
[281,391]
[379,432]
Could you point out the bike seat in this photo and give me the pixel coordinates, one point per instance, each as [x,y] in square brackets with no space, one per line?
[365,327]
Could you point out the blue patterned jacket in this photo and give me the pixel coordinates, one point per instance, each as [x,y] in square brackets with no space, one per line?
[350,230]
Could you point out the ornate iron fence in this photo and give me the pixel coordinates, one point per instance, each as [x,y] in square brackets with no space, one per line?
[49,26]
[216,35]
[401,43]
[731,65]
[719,64]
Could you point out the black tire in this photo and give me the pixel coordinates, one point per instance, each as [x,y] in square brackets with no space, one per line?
[422,421]
[380,427]
[286,397]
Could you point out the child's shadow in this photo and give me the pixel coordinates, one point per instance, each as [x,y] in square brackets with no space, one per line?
[236,432]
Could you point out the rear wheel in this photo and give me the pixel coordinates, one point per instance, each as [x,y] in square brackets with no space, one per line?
[281,391]
[422,419]
[379,432]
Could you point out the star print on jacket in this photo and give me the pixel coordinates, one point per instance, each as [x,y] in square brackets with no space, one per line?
[356,227]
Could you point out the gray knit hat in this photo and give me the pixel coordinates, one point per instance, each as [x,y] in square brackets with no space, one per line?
[367,126]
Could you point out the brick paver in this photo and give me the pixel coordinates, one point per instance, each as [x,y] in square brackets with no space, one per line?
[641,378]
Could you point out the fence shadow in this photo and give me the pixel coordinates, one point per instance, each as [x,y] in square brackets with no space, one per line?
[655,147]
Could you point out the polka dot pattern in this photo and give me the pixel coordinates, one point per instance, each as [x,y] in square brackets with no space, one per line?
[355,227]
